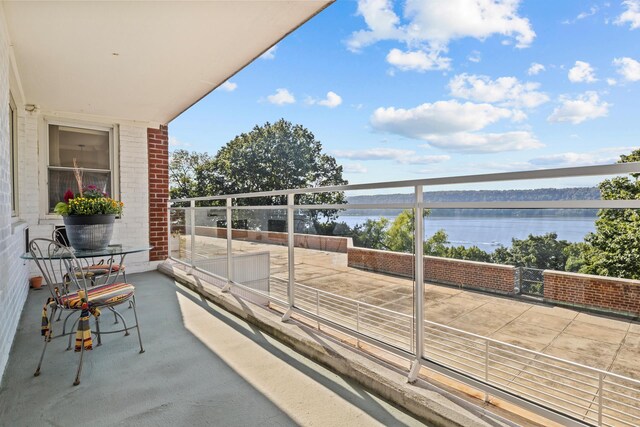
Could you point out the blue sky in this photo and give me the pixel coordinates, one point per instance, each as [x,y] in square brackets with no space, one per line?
[423,88]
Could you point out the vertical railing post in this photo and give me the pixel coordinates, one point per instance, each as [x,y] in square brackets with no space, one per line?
[229,214]
[291,241]
[318,307]
[169,230]
[192,211]
[600,388]
[413,335]
[419,282]
[358,324]
[486,368]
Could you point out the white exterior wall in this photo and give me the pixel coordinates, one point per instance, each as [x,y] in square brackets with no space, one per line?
[13,271]
[131,229]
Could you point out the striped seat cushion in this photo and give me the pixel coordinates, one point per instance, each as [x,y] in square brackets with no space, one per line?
[105,268]
[101,295]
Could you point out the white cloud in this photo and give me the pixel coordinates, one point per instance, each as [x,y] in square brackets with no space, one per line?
[175,143]
[592,11]
[486,142]
[428,28]
[535,69]
[475,56]
[506,91]
[405,157]
[381,21]
[417,60]
[281,97]
[612,82]
[270,53]
[586,106]
[582,72]
[332,100]
[426,160]
[628,68]
[442,117]
[450,125]
[630,15]
[228,86]
[354,168]
[569,159]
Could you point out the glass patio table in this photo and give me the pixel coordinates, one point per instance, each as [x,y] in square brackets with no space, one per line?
[110,273]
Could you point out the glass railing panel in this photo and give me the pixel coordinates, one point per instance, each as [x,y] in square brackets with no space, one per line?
[538,279]
[357,269]
[210,243]
[260,253]
[179,234]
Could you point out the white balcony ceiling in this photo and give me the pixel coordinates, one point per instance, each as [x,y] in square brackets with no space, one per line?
[145,60]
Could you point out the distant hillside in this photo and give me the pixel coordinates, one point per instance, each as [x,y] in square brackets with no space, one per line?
[541,194]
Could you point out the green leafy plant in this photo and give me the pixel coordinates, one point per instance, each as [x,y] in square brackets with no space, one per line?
[90,200]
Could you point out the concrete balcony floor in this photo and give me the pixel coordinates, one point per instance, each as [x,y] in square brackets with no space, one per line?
[202,366]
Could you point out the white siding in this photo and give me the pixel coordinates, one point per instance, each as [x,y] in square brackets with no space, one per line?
[13,271]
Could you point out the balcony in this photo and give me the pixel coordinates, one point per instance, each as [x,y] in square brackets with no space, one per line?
[202,366]
[559,344]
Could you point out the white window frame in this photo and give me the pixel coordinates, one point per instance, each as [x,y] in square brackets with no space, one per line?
[114,156]
[13,165]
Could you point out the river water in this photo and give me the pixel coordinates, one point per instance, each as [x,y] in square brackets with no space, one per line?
[489,232]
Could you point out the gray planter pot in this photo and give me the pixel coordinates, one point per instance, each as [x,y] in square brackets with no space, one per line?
[89,232]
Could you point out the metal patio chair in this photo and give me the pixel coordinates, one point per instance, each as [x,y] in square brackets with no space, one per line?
[97,268]
[67,281]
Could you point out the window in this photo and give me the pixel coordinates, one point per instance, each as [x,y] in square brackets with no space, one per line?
[13,155]
[92,148]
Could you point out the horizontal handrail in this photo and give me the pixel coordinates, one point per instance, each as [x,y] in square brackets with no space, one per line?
[581,171]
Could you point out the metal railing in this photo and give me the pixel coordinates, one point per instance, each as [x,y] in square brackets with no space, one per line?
[531,281]
[558,389]
[376,322]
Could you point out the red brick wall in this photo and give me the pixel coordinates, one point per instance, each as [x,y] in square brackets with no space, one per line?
[158,149]
[584,290]
[470,274]
[396,263]
[467,274]
[308,241]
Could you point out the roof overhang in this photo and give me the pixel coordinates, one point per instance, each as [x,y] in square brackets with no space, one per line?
[141,60]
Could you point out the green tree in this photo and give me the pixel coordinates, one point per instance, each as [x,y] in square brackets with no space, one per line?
[472,253]
[436,245]
[576,256]
[545,252]
[280,156]
[190,174]
[400,234]
[372,234]
[614,248]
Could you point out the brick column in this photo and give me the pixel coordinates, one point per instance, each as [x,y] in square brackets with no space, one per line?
[158,151]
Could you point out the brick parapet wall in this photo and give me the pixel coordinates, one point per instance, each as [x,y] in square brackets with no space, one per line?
[396,263]
[467,274]
[158,154]
[621,296]
[308,241]
[470,274]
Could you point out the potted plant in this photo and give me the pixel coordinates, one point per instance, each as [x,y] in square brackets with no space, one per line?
[88,215]
[36,282]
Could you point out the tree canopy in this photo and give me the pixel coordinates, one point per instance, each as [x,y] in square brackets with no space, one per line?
[190,174]
[270,157]
[278,156]
[614,248]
